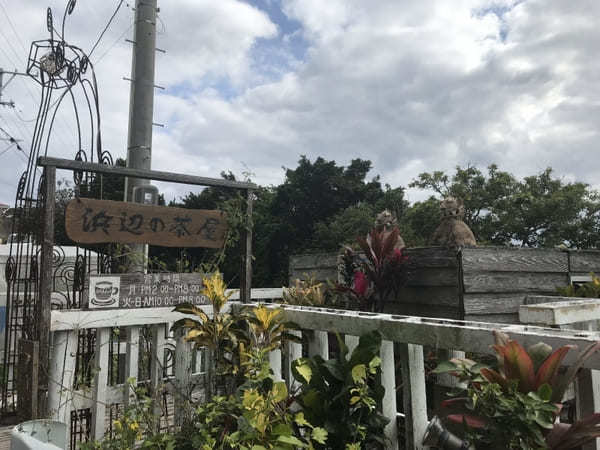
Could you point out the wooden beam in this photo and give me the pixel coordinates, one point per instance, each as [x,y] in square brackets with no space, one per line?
[44,305]
[169,177]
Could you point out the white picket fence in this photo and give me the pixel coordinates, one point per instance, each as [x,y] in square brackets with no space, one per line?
[404,334]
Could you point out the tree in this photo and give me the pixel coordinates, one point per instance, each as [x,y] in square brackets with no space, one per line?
[537,211]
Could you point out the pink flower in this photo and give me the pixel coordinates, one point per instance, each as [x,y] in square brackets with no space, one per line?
[361,284]
[399,254]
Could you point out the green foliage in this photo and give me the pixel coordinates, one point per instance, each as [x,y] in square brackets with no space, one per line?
[307,292]
[586,290]
[342,395]
[538,211]
[136,427]
[522,395]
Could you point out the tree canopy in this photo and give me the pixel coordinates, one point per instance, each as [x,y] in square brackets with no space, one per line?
[322,205]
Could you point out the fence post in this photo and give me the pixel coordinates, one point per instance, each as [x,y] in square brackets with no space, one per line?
[388,380]
[318,344]
[43,305]
[183,378]
[131,360]
[275,363]
[351,342]
[293,351]
[413,388]
[100,382]
[62,375]
[156,368]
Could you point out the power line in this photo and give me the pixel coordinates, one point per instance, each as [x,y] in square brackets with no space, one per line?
[106,28]
[114,43]
[12,26]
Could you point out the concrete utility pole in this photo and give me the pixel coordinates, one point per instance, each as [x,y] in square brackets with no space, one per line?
[141,103]
[141,107]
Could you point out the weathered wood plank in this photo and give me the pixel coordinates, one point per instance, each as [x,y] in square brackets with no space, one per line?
[313,261]
[439,333]
[434,277]
[157,366]
[183,376]
[494,303]
[497,259]
[82,319]
[131,361]
[317,274]
[434,295]
[529,282]
[585,261]
[62,375]
[141,173]
[318,344]
[275,364]
[493,318]
[432,257]
[293,351]
[44,305]
[100,383]
[414,396]
[412,309]
[388,381]
[91,221]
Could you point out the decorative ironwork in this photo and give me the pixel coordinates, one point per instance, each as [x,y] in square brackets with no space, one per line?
[64,73]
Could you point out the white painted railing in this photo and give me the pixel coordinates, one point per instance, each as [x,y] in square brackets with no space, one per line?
[403,334]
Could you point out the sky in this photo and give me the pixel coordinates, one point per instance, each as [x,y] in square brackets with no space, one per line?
[412,86]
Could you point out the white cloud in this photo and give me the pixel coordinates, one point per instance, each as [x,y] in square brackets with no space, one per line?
[412,86]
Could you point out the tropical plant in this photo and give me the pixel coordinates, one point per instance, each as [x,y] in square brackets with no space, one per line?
[308,292]
[218,334]
[590,289]
[531,385]
[381,273]
[343,395]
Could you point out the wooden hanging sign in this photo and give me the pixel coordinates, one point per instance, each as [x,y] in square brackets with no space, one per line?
[90,221]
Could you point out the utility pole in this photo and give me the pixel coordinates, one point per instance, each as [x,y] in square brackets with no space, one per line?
[141,103]
[10,104]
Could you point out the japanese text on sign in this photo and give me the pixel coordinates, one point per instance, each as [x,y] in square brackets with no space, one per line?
[130,291]
[96,221]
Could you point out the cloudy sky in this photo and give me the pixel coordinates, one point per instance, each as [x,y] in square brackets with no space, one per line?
[413,86]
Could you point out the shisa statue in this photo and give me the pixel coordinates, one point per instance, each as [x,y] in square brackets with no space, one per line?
[386,222]
[453,232]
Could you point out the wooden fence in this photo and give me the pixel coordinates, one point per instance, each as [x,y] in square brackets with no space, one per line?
[404,334]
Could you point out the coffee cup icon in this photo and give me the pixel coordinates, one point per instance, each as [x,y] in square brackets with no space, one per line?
[104,292]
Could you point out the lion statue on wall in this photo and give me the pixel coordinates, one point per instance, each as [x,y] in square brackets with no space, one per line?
[452,231]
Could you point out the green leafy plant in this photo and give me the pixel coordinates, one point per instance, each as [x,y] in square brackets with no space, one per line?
[307,292]
[218,334]
[590,289]
[136,427]
[522,394]
[258,416]
[343,395]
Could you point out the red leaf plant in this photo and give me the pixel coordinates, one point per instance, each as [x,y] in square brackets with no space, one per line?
[530,369]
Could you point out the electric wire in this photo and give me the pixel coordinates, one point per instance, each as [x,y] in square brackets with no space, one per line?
[115,43]
[105,28]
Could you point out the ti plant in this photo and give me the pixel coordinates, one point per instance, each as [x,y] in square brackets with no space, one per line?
[382,272]
[523,394]
[343,395]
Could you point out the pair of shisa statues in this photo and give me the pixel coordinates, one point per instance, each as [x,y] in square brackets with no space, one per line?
[452,232]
